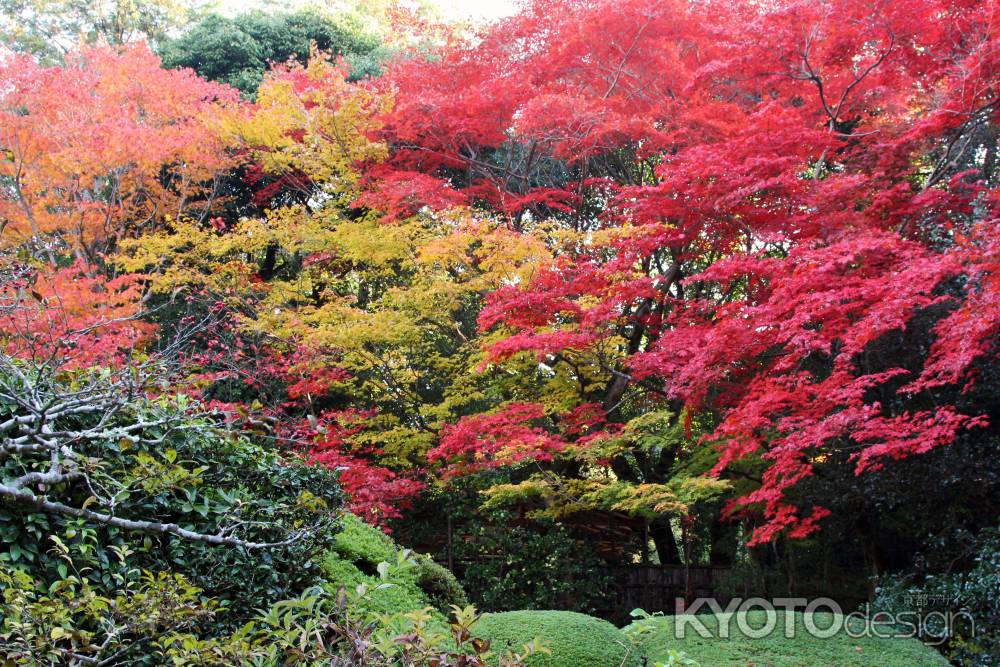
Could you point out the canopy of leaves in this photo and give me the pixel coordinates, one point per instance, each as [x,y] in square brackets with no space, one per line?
[637,258]
[237,51]
[49,29]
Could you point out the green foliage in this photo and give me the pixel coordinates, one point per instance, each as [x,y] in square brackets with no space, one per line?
[69,622]
[157,620]
[237,51]
[402,596]
[439,584]
[287,493]
[657,640]
[379,620]
[357,557]
[575,640]
[941,595]
[181,470]
[48,28]
[358,542]
[516,567]
[243,581]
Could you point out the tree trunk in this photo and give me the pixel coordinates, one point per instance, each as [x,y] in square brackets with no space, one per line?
[666,543]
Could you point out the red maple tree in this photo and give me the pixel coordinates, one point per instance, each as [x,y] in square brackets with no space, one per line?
[762,194]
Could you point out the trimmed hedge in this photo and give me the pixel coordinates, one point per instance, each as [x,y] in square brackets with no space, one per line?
[439,585]
[575,640]
[360,543]
[355,555]
[775,650]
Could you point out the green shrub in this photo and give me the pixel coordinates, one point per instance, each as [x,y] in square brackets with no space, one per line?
[656,636]
[238,50]
[419,582]
[542,567]
[439,585]
[362,544]
[155,620]
[268,488]
[68,622]
[575,640]
[177,466]
[402,595]
[940,595]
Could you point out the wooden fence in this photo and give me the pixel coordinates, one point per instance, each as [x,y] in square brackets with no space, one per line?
[657,588]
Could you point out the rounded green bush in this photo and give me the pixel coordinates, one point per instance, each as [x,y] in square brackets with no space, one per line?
[575,640]
[439,585]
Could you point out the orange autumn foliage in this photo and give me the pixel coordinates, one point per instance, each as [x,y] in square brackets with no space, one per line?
[105,147]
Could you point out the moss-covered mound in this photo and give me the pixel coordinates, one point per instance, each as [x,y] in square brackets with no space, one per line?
[776,650]
[354,558]
[575,640]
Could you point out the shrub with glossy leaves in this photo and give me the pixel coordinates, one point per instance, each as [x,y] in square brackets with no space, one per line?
[159,619]
[155,484]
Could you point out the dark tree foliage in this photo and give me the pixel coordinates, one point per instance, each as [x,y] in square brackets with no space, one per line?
[238,51]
